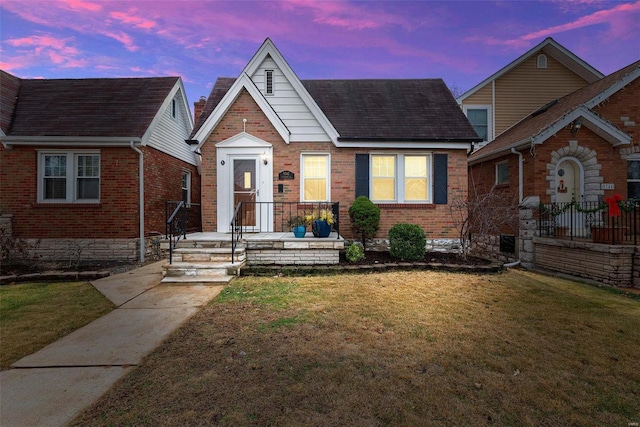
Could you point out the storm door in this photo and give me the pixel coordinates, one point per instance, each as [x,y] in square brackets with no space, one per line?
[245,189]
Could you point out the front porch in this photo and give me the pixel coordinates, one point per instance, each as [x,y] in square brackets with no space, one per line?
[212,257]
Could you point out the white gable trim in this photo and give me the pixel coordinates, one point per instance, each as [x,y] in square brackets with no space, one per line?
[269,49]
[592,121]
[243,82]
[606,94]
[243,139]
[524,57]
[165,104]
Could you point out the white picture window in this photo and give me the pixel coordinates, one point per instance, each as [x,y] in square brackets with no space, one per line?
[401,178]
[68,177]
[502,173]
[480,118]
[315,177]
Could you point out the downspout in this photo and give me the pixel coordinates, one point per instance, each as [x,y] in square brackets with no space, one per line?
[520,178]
[141,198]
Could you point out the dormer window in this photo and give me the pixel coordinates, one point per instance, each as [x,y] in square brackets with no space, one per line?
[542,61]
[268,82]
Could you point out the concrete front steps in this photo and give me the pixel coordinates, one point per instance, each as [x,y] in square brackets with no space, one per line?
[204,263]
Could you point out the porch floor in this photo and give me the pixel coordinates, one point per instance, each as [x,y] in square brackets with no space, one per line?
[260,237]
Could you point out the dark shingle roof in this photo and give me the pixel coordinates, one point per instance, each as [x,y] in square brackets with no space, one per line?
[122,107]
[545,117]
[384,110]
[9,87]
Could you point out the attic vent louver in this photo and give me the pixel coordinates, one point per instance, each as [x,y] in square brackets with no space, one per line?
[268,82]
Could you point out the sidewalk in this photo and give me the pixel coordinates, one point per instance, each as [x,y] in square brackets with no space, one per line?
[53,385]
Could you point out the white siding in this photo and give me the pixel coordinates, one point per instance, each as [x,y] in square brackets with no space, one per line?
[170,133]
[286,102]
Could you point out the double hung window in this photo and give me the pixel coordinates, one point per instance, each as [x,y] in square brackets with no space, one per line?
[315,177]
[401,178]
[69,177]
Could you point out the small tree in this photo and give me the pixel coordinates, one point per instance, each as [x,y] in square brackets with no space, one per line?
[365,219]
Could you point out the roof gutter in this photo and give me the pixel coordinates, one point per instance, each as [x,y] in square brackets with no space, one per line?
[141,197]
[85,141]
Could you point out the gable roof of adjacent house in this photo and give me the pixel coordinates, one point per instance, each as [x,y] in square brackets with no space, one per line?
[548,120]
[351,112]
[120,107]
[96,111]
[549,47]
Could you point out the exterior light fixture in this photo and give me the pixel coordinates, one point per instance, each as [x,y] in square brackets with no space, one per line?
[265,158]
[575,126]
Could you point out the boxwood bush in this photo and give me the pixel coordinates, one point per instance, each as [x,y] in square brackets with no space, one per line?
[355,252]
[407,242]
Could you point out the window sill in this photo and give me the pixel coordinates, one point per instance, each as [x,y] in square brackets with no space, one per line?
[406,205]
[504,185]
[67,205]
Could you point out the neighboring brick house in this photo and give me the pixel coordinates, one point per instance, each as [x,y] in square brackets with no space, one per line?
[402,143]
[580,147]
[546,72]
[76,153]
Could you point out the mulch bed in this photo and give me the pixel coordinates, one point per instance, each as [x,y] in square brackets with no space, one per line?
[384,257]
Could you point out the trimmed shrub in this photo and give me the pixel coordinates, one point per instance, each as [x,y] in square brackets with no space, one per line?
[355,252]
[365,219]
[407,242]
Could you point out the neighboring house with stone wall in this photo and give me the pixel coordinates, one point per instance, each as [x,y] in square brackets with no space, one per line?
[86,165]
[402,143]
[582,147]
[546,72]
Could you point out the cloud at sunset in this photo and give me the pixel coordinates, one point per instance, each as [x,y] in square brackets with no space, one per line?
[461,42]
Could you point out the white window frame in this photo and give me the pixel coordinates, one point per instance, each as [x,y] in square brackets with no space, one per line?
[487,107]
[268,73]
[400,177]
[71,175]
[302,175]
[186,173]
[498,165]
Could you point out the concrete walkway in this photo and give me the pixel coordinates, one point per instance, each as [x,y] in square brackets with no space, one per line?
[53,385]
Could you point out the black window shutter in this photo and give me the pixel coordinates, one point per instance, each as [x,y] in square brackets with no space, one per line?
[440,179]
[362,175]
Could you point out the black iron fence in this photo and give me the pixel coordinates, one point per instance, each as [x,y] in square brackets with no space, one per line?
[591,220]
[261,217]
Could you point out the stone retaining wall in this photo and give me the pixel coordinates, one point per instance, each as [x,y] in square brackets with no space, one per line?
[609,264]
[294,252]
[432,245]
[85,249]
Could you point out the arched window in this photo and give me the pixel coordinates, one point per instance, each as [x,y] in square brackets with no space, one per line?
[542,61]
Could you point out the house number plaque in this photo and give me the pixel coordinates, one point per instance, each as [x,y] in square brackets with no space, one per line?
[286,175]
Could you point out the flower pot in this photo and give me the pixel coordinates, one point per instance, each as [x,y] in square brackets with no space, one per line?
[299,230]
[608,235]
[321,228]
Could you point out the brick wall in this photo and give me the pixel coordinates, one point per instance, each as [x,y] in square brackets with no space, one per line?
[436,220]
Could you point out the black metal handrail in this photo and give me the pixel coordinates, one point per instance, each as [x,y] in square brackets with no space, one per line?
[275,216]
[184,217]
[588,220]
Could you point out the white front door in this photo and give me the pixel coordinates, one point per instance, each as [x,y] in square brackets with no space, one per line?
[245,175]
[569,189]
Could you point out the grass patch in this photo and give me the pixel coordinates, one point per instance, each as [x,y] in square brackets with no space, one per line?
[400,348]
[36,314]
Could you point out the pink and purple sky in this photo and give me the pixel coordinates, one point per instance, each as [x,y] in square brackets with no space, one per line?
[462,42]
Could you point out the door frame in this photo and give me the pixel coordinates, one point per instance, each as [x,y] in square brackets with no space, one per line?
[244,146]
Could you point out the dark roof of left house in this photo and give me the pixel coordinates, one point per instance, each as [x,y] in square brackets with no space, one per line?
[379,109]
[106,107]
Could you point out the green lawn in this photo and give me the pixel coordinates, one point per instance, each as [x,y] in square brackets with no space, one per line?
[399,348]
[33,315]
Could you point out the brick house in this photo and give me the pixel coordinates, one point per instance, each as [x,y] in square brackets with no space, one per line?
[581,147]
[86,165]
[402,143]
[546,72]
